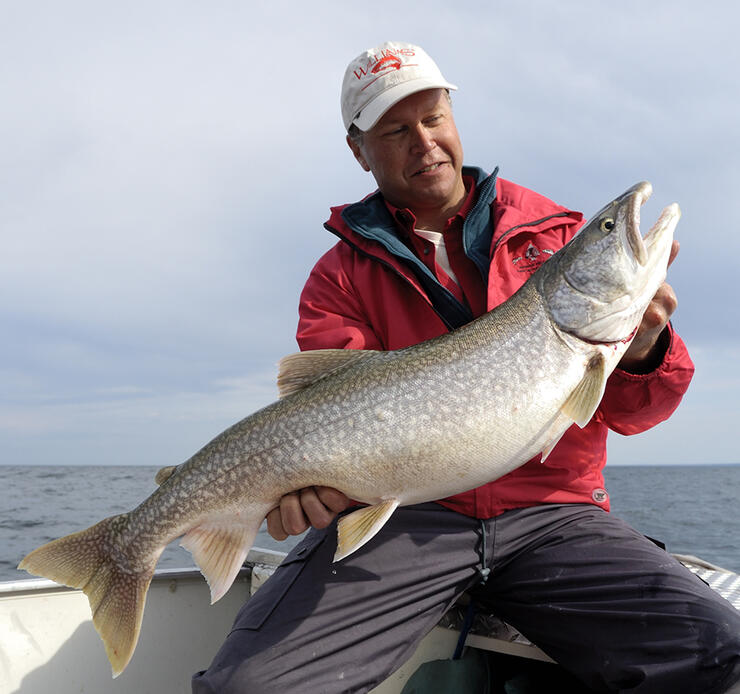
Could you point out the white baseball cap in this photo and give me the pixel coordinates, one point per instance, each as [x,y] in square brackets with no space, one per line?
[380,77]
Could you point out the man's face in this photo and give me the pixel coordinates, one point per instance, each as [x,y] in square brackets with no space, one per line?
[414,153]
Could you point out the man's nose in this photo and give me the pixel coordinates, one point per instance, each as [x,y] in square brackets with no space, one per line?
[422,139]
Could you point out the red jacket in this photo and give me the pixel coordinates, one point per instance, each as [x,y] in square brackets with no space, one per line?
[370,292]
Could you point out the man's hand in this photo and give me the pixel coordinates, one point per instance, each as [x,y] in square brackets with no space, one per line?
[297,511]
[650,343]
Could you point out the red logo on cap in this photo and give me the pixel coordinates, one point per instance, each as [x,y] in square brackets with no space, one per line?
[386,60]
[389,62]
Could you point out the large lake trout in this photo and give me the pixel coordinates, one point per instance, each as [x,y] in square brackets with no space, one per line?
[387,428]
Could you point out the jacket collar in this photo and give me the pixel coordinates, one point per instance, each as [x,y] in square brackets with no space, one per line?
[371,220]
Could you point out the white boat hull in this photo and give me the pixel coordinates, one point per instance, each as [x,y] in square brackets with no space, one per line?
[48,642]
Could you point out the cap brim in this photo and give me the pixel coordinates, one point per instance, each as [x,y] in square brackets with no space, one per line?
[377,108]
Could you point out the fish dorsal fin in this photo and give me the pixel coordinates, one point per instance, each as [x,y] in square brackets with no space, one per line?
[164,474]
[219,547]
[585,398]
[358,527]
[298,371]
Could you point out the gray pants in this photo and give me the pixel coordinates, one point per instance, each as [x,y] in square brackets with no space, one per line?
[604,602]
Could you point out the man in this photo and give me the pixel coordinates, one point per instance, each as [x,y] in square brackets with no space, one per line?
[435,246]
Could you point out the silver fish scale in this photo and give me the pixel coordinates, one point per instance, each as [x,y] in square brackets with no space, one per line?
[416,424]
[431,412]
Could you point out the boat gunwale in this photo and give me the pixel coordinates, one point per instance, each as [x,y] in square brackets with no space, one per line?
[258,556]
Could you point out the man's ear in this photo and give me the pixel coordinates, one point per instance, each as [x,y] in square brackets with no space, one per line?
[357,153]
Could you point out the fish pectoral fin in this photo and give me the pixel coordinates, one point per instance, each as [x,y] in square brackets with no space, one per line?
[219,548]
[358,527]
[300,370]
[585,398]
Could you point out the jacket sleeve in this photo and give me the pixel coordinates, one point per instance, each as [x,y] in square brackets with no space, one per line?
[329,314]
[633,403]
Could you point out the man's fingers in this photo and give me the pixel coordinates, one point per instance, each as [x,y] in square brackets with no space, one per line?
[332,498]
[674,251]
[313,506]
[291,514]
[644,352]
[275,525]
[660,309]
[319,516]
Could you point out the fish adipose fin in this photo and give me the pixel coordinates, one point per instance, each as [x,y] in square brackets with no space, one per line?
[585,398]
[219,548]
[358,527]
[300,370]
[116,596]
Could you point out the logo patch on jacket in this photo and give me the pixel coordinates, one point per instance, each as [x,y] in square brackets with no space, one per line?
[532,258]
[600,496]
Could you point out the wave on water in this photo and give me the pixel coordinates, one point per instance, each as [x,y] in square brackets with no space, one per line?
[12,524]
[692,509]
[53,474]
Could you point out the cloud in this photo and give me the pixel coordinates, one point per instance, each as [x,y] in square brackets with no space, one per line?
[699,431]
[168,168]
[128,425]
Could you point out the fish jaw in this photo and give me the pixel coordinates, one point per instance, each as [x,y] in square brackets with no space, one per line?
[638,194]
[665,224]
[599,284]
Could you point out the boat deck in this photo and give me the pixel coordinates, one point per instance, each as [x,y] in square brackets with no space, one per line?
[48,642]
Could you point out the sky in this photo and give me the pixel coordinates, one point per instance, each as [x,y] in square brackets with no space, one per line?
[166,169]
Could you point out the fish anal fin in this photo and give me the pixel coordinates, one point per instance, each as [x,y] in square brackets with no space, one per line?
[586,396]
[298,371]
[219,547]
[358,527]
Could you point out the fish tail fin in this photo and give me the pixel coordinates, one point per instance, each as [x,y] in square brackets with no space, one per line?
[116,595]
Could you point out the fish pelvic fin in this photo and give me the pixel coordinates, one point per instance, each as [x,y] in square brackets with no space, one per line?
[116,595]
[585,398]
[219,547]
[358,527]
[300,370]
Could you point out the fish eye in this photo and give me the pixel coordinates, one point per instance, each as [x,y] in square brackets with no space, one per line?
[607,224]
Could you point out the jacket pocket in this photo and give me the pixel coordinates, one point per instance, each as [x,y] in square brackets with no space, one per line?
[261,605]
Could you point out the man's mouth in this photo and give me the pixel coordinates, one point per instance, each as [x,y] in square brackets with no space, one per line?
[427,169]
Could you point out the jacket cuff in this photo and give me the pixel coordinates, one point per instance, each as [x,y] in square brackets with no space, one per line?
[674,352]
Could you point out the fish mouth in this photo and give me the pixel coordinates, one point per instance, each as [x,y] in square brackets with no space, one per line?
[668,218]
[638,194]
[639,245]
[600,294]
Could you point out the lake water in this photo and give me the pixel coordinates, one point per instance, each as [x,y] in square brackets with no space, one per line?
[692,509]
